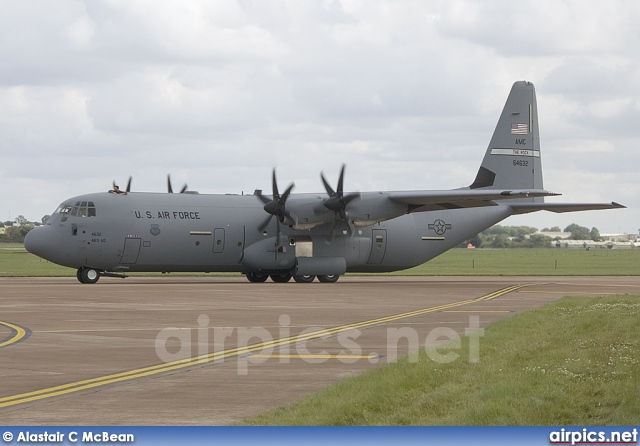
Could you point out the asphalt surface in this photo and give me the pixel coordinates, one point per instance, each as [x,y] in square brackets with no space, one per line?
[212,351]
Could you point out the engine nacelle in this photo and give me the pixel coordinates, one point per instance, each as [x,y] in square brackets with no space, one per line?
[309,211]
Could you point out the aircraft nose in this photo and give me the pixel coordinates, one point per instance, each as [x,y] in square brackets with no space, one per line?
[41,242]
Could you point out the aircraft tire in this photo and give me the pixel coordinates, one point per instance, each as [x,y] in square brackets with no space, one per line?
[308,278]
[256,277]
[281,277]
[88,275]
[331,278]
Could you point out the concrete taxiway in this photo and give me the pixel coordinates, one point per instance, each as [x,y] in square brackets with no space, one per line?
[214,350]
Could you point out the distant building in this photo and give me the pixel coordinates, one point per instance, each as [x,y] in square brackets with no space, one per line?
[561,235]
[590,244]
[620,237]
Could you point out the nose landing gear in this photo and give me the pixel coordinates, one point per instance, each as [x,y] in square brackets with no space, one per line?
[88,275]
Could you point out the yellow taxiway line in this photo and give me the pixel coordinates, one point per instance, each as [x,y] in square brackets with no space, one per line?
[143,372]
[477,311]
[327,356]
[17,331]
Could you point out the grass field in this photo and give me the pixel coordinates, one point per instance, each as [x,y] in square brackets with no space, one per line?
[15,261]
[532,262]
[572,362]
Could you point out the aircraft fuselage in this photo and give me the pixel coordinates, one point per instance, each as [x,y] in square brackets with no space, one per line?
[207,233]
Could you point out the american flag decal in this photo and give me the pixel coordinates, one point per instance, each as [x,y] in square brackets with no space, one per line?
[519,129]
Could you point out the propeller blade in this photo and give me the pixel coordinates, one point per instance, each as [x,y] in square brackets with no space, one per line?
[262,198]
[274,185]
[170,187]
[337,200]
[327,186]
[341,180]
[286,193]
[275,207]
[265,223]
[352,227]
[332,235]
[128,189]
[348,198]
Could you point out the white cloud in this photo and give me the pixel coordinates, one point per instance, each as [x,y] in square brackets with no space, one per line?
[218,93]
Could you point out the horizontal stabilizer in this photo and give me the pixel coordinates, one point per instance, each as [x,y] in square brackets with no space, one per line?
[423,200]
[525,208]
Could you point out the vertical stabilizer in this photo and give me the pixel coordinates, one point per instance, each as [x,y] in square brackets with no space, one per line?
[512,160]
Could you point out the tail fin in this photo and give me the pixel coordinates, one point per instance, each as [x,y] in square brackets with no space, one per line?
[512,160]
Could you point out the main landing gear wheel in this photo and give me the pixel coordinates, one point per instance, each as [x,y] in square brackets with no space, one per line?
[256,277]
[331,278]
[307,278]
[88,275]
[281,277]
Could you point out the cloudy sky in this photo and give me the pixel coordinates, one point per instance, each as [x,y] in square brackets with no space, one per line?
[406,93]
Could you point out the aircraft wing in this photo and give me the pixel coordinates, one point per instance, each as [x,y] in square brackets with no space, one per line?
[420,201]
[525,208]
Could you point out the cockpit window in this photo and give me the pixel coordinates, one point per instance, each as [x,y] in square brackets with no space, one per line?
[79,209]
[63,209]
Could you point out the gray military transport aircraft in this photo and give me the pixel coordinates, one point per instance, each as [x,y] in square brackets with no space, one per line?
[319,235]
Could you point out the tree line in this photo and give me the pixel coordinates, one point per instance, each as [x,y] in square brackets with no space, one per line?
[15,231]
[528,237]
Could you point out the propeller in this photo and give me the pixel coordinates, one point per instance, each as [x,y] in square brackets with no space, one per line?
[275,207]
[128,189]
[338,201]
[170,189]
